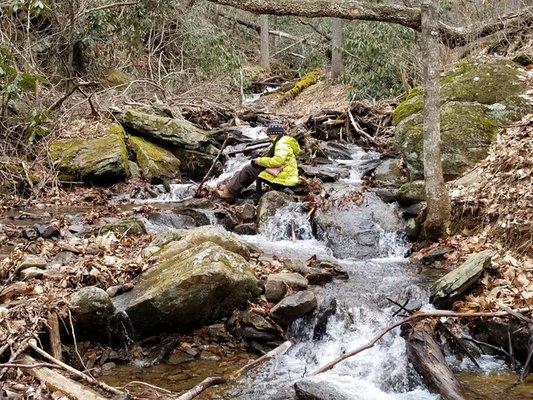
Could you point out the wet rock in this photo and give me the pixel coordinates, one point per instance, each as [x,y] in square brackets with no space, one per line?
[245,229]
[195,286]
[172,220]
[435,255]
[496,332]
[199,217]
[389,173]
[156,163]
[317,388]
[386,195]
[116,290]
[413,210]
[476,99]
[269,203]
[455,283]
[355,231]
[178,241]
[330,267]
[412,229]
[32,261]
[334,150]
[92,313]
[293,307]
[277,284]
[179,357]
[316,276]
[251,333]
[30,234]
[246,212]
[47,231]
[258,321]
[173,131]
[326,173]
[326,310]
[102,161]
[226,219]
[195,164]
[411,193]
[31,273]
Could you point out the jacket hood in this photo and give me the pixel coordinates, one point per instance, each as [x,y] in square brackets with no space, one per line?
[293,143]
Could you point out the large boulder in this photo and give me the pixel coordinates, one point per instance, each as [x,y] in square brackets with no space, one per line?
[92,313]
[323,387]
[354,230]
[448,288]
[175,131]
[175,242]
[476,99]
[101,160]
[293,307]
[193,288]
[269,204]
[389,173]
[156,163]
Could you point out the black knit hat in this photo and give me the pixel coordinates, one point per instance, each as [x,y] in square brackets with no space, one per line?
[275,128]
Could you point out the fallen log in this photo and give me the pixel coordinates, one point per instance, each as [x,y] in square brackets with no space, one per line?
[428,360]
[57,382]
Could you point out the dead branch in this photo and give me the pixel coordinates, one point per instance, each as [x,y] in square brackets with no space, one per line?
[416,316]
[74,371]
[213,164]
[217,380]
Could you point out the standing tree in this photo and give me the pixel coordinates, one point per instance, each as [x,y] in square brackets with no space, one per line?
[438,201]
[265,48]
[337,43]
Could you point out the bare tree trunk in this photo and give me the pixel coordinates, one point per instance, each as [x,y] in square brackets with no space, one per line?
[438,201]
[337,43]
[265,50]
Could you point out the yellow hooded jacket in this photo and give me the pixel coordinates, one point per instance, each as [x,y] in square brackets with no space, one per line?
[285,151]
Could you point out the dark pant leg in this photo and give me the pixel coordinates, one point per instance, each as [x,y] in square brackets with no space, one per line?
[244,178]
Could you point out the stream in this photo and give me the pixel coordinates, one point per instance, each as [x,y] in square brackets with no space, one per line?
[381,372]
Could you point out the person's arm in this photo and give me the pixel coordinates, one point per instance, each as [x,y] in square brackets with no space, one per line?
[281,153]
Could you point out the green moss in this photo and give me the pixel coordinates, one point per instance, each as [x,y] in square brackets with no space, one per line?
[116,77]
[303,83]
[411,193]
[155,162]
[413,104]
[128,227]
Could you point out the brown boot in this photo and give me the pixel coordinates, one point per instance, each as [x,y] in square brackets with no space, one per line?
[224,193]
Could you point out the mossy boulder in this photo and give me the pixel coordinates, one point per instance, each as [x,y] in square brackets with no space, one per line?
[156,163]
[101,161]
[193,288]
[175,131]
[115,77]
[125,227]
[476,99]
[411,193]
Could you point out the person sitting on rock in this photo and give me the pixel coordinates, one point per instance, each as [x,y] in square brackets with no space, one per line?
[278,170]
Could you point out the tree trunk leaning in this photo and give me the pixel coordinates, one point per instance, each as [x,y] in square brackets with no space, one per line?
[337,43]
[438,201]
[265,48]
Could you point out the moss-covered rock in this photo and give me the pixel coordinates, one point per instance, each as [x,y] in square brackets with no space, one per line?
[411,193]
[174,131]
[125,227]
[476,99]
[156,163]
[115,77]
[194,288]
[101,161]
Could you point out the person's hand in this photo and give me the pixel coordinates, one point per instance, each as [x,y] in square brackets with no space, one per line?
[254,162]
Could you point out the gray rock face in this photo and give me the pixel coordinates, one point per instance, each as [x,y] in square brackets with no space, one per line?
[355,230]
[188,289]
[92,312]
[448,288]
[269,204]
[293,307]
[276,284]
[389,173]
[174,131]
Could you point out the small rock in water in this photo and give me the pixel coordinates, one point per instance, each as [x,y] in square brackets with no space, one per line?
[435,255]
[413,210]
[389,173]
[386,195]
[277,284]
[326,310]
[319,277]
[246,212]
[47,230]
[245,229]
[108,366]
[293,307]
[179,356]
[254,334]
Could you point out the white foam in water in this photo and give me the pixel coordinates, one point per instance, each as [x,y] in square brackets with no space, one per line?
[234,164]
[178,192]
[289,221]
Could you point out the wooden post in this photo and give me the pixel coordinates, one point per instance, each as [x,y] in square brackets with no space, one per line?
[438,201]
[337,43]
[55,339]
[265,48]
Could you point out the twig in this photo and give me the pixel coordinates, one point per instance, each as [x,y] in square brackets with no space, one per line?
[75,342]
[85,377]
[141,383]
[414,317]
[212,165]
[35,365]
[358,129]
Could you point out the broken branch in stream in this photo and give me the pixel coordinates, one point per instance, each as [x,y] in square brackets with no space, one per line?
[217,380]
[416,316]
[212,165]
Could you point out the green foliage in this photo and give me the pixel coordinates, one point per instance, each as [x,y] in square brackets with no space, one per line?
[377,58]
